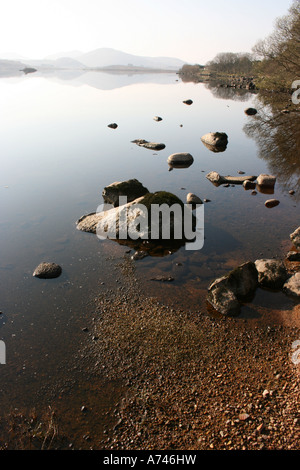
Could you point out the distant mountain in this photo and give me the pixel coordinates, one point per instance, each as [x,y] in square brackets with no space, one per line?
[106,57]
[99,58]
[68,63]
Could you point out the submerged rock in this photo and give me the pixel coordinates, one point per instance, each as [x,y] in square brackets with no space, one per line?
[148,145]
[295,238]
[47,271]
[272,274]
[292,286]
[215,141]
[132,189]
[226,293]
[218,179]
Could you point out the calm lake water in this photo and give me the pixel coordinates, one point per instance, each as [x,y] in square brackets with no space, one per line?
[57,155]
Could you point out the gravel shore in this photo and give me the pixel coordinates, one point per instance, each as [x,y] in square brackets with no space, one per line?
[194,381]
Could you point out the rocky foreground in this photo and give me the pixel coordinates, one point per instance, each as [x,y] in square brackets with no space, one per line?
[194,381]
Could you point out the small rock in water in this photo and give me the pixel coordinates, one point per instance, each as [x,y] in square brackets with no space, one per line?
[193,199]
[113,125]
[292,192]
[215,141]
[266,180]
[47,271]
[272,203]
[188,102]
[241,172]
[149,145]
[157,118]
[180,159]
[249,184]
[139,255]
[250,111]
[162,278]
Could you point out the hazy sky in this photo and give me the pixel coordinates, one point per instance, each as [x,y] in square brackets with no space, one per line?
[192,30]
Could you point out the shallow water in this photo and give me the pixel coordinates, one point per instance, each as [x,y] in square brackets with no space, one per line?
[57,154]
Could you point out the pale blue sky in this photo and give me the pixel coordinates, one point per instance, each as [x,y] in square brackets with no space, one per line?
[192,30]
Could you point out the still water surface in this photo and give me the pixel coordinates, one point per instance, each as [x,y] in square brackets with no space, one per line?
[57,155]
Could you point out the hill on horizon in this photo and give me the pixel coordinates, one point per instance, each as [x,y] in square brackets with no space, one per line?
[100,58]
[105,57]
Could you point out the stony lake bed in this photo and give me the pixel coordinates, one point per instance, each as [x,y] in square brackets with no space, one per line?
[125,353]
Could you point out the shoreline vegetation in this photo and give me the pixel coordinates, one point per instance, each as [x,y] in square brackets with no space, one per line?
[272,66]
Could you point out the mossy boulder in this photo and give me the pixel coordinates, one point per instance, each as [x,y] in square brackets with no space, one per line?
[153,216]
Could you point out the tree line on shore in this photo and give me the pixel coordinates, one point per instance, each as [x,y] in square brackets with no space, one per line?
[274,61]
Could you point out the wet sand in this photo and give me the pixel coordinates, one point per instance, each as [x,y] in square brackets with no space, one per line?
[196,381]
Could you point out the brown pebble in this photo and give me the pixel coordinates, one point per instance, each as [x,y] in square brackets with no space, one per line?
[271,203]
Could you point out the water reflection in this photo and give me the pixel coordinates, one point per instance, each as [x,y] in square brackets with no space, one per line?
[106,80]
[224,92]
[215,148]
[276,129]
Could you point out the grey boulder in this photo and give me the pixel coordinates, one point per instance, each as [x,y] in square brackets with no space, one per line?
[272,274]
[215,141]
[292,286]
[132,189]
[226,293]
[295,238]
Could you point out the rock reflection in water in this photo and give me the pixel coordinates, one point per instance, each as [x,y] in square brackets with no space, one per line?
[276,129]
[228,93]
[150,248]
